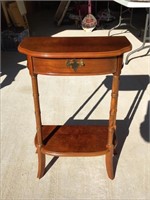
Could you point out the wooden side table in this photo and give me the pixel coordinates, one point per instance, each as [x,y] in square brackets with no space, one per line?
[75,56]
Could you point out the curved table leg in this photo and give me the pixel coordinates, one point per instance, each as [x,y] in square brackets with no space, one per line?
[109,163]
[119,23]
[41,164]
[145,38]
[121,18]
[136,50]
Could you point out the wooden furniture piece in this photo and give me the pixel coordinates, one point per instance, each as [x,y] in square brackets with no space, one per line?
[75,56]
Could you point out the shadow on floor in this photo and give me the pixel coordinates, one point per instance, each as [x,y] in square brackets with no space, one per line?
[127,83]
[10,66]
[145,125]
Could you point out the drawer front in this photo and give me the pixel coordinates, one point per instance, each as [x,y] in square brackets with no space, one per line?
[74,66]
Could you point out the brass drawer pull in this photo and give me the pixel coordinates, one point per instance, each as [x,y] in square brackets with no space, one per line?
[74,63]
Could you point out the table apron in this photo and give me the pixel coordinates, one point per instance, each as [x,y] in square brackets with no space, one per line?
[74,66]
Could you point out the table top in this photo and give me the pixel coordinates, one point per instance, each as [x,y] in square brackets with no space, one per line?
[134,3]
[74,47]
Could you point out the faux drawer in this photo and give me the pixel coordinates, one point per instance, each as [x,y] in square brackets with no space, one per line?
[74,66]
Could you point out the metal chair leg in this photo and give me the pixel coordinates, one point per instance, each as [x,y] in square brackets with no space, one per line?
[145,38]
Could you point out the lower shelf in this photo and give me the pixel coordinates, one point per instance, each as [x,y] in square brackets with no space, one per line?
[74,140]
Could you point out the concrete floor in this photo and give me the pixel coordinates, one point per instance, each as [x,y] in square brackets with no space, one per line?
[75,178]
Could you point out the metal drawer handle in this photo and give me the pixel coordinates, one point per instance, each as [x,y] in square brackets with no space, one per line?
[74,63]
